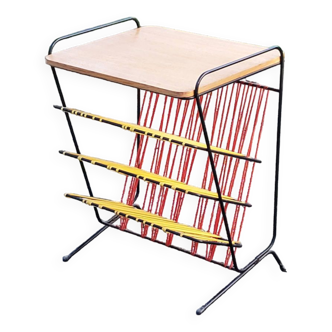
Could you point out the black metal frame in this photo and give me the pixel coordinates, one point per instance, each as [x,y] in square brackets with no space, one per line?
[112,220]
[268,250]
[110,223]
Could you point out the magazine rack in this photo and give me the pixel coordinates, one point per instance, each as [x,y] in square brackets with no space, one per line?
[183,76]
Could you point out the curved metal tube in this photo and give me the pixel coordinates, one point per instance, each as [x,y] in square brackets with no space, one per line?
[98,27]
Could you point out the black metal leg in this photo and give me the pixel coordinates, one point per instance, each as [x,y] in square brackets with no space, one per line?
[106,224]
[79,248]
[282,267]
[200,310]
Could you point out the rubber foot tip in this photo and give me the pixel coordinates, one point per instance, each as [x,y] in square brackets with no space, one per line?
[199,311]
[282,268]
[65,259]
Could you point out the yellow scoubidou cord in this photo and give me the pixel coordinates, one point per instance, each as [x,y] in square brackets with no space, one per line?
[157,134]
[167,225]
[147,176]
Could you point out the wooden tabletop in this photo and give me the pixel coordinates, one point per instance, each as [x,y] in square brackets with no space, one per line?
[163,60]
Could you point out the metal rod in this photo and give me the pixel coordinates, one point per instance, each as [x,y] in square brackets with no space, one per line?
[71,129]
[110,224]
[200,310]
[107,224]
[276,181]
[258,85]
[98,27]
[170,246]
[269,250]
[282,267]
[62,97]
[79,248]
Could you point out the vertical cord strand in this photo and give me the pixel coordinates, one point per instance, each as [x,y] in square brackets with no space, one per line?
[133,148]
[202,202]
[170,160]
[219,220]
[253,167]
[139,156]
[244,174]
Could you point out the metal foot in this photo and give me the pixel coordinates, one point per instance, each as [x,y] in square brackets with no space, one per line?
[106,223]
[282,267]
[242,273]
[68,257]
[199,311]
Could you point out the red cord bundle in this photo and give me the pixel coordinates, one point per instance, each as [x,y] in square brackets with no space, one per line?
[238,110]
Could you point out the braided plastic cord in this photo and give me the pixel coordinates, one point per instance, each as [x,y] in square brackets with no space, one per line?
[150,190]
[175,212]
[131,156]
[167,225]
[163,192]
[253,169]
[203,203]
[155,167]
[223,179]
[140,155]
[222,127]
[244,175]
[178,198]
[156,134]
[155,231]
[233,168]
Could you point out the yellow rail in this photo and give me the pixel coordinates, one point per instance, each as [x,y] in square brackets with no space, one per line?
[167,225]
[153,178]
[156,134]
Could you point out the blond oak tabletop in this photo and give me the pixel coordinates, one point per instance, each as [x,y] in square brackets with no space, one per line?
[163,60]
